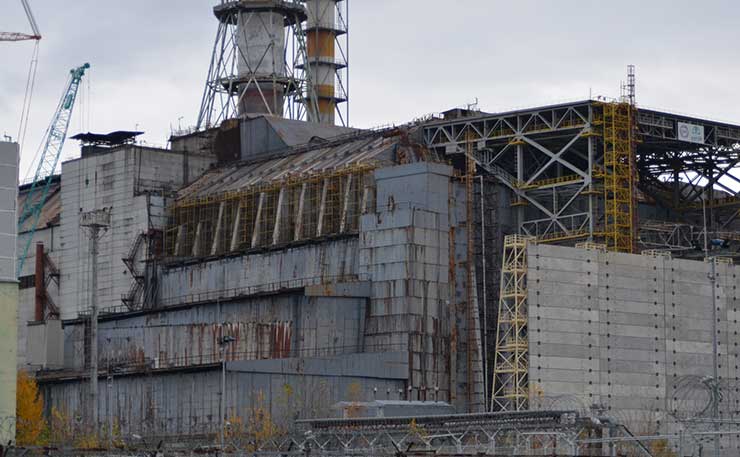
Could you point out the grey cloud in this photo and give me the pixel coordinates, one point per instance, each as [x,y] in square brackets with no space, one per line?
[408,57]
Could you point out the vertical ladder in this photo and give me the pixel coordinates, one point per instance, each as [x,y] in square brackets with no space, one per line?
[619,177]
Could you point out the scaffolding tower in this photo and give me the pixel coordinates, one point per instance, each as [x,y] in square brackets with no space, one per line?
[511,364]
[619,177]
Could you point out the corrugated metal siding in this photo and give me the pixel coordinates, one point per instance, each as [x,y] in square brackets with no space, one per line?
[328,261]
[51,210]
[186,405]
[264,328]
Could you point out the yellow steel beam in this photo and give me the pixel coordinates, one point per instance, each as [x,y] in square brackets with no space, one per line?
[510,388]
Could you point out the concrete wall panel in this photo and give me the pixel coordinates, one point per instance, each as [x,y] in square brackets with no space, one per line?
[629,335]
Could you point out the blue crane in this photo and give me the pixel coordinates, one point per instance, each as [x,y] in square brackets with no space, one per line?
[57,133]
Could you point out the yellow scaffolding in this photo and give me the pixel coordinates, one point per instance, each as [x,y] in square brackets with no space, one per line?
[591,246]
[511,365]
[297,208]
[619,177]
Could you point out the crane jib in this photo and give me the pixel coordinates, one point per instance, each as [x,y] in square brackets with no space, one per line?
[48,160]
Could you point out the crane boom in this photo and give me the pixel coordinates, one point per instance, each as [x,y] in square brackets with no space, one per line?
[31,19]
[56,134]
[11,36]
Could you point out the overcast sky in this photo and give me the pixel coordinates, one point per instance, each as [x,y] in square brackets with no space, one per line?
[408,58]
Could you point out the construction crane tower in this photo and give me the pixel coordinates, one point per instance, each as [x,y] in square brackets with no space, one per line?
[48,161]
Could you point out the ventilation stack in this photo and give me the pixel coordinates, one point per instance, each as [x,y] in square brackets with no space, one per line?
[261,69]
[326,57]
[252,70]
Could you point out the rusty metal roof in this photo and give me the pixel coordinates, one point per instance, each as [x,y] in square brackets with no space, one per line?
[51,212]
[295,133]
[357,148]
[107,139]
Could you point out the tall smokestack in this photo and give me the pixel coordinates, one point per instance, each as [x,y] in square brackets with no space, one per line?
[325,23]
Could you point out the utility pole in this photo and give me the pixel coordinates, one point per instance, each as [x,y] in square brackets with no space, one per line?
[95,223]
[108,404]
[224,341]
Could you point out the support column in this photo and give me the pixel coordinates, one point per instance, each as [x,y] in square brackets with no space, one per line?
[345,204]
[178,240]
[235,233]
[196,241]
[217,235]
[590,142]
[322,208]
[256,231]
[40,284]
[520,178]
[278,217]
[299,215]
[365,199]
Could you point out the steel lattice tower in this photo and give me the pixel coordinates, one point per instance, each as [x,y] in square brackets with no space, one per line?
[257,64]
[511,363]
[619,177]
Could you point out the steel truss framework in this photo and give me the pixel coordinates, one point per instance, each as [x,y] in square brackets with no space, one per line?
[511,363]
[224,86]
[275,213]
[675,173]
[536,433]
[619,178]
[553,161]
[679,237]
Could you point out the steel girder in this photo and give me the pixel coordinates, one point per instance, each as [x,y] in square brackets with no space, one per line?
[675,172]
[550,158]
[546,157]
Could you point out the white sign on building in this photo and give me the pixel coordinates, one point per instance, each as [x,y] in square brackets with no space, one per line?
[690,132]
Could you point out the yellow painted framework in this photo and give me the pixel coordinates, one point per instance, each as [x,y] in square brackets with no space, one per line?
[511,363]
[292,209]
[619,177]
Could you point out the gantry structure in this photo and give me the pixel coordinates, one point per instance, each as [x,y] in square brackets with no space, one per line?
[577,171]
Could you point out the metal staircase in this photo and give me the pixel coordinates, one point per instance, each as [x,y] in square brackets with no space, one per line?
[142,291]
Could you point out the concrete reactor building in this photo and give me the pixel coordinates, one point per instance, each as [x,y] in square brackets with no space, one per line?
[567,258]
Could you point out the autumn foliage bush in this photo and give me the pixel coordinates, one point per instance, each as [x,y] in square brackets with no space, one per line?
[31,427]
